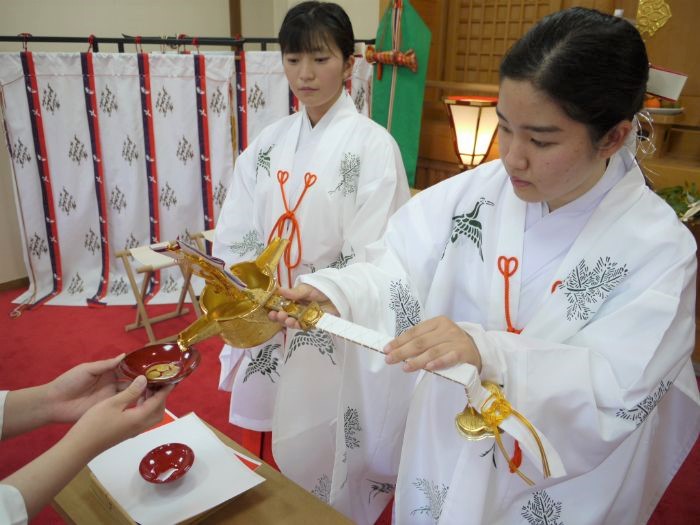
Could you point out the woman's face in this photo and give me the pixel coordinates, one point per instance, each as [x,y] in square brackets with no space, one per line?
[548,156]
[317,78]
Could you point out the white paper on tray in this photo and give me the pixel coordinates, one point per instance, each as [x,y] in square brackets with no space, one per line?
[217,475]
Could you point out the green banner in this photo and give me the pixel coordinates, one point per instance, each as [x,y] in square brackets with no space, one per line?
[409,87]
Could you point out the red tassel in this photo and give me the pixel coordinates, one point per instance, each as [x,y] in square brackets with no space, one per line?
[517,458]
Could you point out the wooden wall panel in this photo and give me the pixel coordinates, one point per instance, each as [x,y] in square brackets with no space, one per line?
[469,40]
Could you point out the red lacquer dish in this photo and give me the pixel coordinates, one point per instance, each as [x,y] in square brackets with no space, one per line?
[162,364]
[166,463]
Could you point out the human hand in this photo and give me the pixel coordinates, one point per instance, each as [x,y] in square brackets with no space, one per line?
[433,345]
[302,294]
[72,393]
[120,416]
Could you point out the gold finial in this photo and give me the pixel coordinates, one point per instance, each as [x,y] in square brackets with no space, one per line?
[471,425]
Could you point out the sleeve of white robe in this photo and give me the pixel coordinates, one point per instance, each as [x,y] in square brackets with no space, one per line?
[639,340]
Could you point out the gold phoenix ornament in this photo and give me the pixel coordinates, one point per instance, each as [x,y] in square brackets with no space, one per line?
[235,301]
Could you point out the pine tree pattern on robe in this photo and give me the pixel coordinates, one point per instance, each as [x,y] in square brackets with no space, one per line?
[406,307]
[251,243]
[322,489]
[585,287]
[541,509]
[349,174]
[435,494]
[263,160]
[264,363]
[318,339]
[377,487]
[641,410]
[467,225]
[351,427]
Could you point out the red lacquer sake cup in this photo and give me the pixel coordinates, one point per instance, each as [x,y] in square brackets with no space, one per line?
[166,463]
[162,364]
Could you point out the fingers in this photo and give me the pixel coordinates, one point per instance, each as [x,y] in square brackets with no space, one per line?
[132,393]
[295,294]
[434,344]
[151,410]
[438,357]
[412,342]
[97,368]
[159,396]
[303,293]
[283,318]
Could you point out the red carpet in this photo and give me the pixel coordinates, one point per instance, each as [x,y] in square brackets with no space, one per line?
[44,342]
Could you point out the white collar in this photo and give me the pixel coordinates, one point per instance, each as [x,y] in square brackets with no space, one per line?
[340,104]
[618,166]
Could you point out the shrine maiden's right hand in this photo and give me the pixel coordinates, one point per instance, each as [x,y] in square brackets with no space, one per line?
[302,294]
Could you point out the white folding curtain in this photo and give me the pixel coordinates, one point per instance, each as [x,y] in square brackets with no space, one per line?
[112,151]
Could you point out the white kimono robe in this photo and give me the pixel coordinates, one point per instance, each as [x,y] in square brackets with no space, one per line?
[601,367]
[360,183]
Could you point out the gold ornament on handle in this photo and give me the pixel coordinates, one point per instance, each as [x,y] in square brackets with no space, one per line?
[471,425]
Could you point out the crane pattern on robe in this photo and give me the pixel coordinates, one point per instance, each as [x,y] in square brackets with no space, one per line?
[343,260]
[467,225]
[378,487]
[264,363]
[318,339]
[263,160]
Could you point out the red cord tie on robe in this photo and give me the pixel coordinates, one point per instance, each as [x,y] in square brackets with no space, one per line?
[290,215]
[508,266]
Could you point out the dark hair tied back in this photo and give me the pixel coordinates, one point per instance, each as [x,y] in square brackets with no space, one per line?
[594,65]
[309,26]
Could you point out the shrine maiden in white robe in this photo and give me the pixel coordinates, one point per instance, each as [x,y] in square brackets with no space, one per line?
[360,182]
[604,292]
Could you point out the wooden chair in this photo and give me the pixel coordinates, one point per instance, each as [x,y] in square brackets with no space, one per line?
[143,260]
